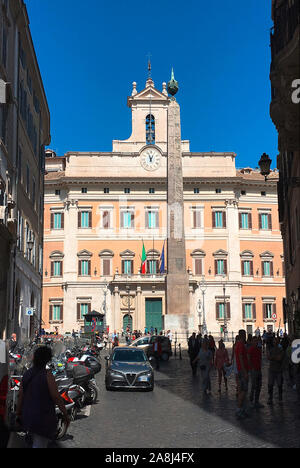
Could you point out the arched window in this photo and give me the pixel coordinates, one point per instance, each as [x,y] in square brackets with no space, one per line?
[150,130]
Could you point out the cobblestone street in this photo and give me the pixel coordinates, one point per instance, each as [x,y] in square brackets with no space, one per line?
[176,414]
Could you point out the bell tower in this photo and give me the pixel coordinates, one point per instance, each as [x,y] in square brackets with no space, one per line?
[149,111]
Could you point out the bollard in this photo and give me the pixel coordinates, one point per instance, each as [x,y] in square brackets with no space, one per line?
[180,356]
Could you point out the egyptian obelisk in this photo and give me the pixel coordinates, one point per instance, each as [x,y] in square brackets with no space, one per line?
[178,314]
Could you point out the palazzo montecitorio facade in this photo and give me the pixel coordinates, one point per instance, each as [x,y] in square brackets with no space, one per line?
[101,208]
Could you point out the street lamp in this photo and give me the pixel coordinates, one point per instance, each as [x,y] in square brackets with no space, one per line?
[203,288]
[225,312]
[265,164]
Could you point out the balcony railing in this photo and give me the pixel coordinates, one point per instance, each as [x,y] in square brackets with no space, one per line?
[286,20]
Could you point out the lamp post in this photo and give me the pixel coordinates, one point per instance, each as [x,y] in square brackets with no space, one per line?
[203,288]
[265,164]
[199,308]
[105,290]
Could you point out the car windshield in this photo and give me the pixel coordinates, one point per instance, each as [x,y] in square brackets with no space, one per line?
[129,355]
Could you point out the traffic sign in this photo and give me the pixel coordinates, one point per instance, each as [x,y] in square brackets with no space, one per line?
[30,311]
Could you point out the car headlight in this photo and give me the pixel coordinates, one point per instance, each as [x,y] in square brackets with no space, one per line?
[116,373]
[147,374]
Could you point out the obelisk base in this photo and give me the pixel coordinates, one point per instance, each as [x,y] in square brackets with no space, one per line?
[182,326]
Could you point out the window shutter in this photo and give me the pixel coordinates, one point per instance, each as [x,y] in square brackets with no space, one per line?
[52,221]
[79,267]
[122,219]
[50,312]
[106,267]
[265,311]
[274,308]
[90,219]
[240,220]
[225,267]
[254,311]
[198,266]
[89,307]
[224,219]
[260,221]
[89,267]
[243,267]
[216,267]
[105,219]
[270,222]
[228,310]
[62,220]
[147,219]
[131,266]
[61,269]
[123,265]
[251,268]
[217,311]
[157,219]
[271,269]
[61,313]
[244,311]
[132,220]
[262,269]
[52,268]
[250,220]
[213,219]
[79,219]
[78,311]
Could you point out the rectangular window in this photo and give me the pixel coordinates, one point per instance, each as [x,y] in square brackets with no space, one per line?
[220,267]
[127,267]
[196,190]
[106,190]
[152,219]
[57,192]
[106,219]
[127,190]
[221,306]
[152,267]
[85,219]
[247,267]
[84,310]
[106,267]
[264,221]
[84,267]
[245,221]
[198,266]
[56,312]
[151,190]
[57,220]
[268,311]
[248,311]
[57,268]
[127,219]
[84,190]
[196,219]
[219,219]
[266,268]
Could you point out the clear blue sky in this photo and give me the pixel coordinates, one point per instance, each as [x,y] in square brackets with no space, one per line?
[91,51]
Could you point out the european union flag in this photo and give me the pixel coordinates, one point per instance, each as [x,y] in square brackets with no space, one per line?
[162,260]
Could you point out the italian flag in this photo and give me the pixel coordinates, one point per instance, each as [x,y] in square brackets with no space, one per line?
[144,258]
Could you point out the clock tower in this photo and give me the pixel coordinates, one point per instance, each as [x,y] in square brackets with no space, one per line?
[149,136]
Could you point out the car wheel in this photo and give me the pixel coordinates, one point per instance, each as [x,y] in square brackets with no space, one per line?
[165,357]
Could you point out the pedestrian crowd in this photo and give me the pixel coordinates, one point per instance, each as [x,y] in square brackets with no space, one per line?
[245,364]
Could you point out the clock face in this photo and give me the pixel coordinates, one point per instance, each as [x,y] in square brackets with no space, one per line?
[150,159]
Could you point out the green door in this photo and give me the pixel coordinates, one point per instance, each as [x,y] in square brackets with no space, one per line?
[127,321]
[154,314]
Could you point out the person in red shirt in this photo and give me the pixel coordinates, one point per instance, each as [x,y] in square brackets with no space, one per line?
[241,358]
[255,361]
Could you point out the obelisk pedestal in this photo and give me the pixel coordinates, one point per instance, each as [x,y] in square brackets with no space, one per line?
[178,315]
